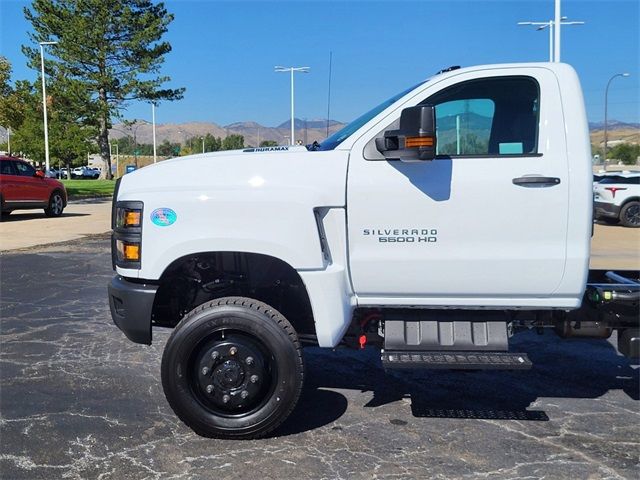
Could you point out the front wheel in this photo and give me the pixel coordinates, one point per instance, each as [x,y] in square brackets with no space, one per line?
[233,368]
[56,205]
[630,214]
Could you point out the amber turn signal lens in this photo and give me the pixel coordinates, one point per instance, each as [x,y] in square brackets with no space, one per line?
[132,252]
[415,142]
[132,218]
[128,251]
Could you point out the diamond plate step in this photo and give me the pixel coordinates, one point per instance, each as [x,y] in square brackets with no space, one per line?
[456,360]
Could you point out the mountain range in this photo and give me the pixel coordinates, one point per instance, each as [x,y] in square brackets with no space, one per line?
[306,130]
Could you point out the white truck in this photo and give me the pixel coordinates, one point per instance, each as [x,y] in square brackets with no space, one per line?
[433,227]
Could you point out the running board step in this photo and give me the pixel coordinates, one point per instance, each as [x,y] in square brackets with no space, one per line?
[456,360]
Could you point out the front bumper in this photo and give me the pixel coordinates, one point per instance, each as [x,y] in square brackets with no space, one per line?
[605,209]
[131,305]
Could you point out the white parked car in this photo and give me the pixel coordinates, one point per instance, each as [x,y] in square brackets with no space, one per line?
[85,172]
[617,198]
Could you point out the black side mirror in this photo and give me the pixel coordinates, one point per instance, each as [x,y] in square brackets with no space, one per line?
[415,140]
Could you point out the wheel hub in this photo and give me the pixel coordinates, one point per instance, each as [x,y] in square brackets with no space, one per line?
[232,375]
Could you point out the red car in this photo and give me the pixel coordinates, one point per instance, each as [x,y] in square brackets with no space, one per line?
[22,187]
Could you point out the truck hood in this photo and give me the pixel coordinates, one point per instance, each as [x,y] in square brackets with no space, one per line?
[289,171]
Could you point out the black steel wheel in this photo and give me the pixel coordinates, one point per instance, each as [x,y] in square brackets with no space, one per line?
[630,214]
[233,368]
[56,205]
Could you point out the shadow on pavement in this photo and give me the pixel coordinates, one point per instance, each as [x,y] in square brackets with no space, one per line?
[562,368]
[316,408]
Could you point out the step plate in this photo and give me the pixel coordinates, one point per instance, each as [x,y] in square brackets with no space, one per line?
[456,360]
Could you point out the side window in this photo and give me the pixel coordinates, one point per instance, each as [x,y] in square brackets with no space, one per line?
[6,168]
[495,116]
[464,126]
[24,169]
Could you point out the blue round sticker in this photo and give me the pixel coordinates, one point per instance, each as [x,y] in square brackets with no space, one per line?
[163,217]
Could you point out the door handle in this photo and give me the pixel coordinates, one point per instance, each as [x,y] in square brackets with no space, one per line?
[536,181]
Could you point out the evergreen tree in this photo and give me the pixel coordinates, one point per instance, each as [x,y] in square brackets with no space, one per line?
[233,142]
[108,53]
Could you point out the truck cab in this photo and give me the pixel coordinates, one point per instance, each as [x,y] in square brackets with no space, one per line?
[431,227]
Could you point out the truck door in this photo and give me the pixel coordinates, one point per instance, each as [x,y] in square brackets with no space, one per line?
[485,223]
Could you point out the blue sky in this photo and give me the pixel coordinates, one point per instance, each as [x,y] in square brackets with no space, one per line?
[224,52]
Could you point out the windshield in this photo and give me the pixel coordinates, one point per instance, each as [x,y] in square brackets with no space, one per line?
[341,135]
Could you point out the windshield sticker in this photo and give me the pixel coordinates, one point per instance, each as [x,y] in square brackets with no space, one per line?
[266,149]
[163,217]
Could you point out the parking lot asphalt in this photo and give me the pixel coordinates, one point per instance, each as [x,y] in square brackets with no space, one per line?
[78,400]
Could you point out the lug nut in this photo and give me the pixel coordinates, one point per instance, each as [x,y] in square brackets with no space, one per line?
[254,378]
[226,398]
[233,351]
[209,388]
[214,355]
[244,394]
[249,360]
[205,370]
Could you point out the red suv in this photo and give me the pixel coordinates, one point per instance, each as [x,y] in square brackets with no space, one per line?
[22,186]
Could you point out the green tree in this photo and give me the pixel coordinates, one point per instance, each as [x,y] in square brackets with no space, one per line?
[168,149]
[112,50]
[268,143]
[627,153]
[233,142]
[21,110]
[12,101]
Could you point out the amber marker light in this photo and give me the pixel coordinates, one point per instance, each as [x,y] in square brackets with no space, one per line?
[128,251]
[132,218]
[131,252]
[128,218]
[416,142]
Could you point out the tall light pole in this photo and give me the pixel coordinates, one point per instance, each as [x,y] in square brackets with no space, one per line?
[44,105]
[550,25]
[9,140]
[292,70]
[606,100]
[557,19]
[153,121]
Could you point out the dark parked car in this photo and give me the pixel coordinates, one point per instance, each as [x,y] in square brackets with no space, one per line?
[24,187]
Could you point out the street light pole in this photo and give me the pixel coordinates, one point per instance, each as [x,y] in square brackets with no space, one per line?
[9,140]
[292,70]
[153,121]
[606,100]
[44,104]
[558,24]
[550,25]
